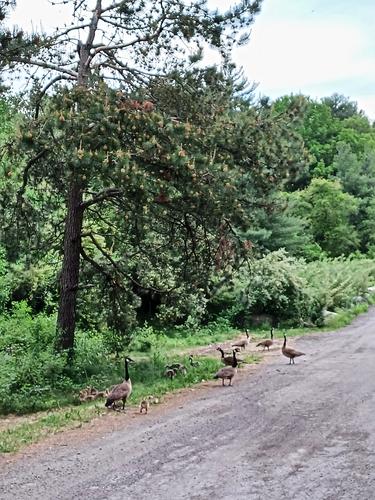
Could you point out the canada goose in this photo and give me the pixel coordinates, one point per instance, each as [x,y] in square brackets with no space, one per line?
[144,406]
[227,359]
[170,373]
[290,353]
[243,343]
[121,391]
[192,362]
[228,372]
[266,343]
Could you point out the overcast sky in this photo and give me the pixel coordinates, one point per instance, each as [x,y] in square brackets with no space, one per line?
[314,47]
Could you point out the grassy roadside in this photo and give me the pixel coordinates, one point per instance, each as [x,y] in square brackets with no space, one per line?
[19,435]
[148,379]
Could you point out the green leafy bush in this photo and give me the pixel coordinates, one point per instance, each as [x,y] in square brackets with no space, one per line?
[294,291]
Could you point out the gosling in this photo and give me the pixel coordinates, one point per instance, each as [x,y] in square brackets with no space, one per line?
[144,406]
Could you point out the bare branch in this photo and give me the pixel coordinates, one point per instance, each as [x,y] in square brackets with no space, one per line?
[146,38]
[103,195]
[25,176]
[68,30]
[46,65]
[109,20]
[44,90]
[119,270]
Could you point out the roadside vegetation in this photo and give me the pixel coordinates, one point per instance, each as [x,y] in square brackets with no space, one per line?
[66,412]
[150,209]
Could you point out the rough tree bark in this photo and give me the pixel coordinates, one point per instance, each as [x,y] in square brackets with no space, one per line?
[69,278]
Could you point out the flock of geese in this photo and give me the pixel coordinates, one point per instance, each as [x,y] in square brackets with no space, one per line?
[121,392]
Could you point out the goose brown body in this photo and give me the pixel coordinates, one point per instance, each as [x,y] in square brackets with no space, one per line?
[243,343]
[228,372]
[226,359]
[121,391]
[290,353]
[266,343]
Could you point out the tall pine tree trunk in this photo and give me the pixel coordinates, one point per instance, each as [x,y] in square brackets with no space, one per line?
[69,279]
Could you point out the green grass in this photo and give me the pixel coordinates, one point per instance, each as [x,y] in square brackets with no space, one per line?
[16,437]
[345,316]
[147,378]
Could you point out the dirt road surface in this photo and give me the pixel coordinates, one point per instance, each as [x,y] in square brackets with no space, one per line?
[281,432]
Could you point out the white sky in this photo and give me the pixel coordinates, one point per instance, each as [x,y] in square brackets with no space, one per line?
[314,47]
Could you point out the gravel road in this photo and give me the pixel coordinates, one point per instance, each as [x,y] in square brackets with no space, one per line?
[281,432]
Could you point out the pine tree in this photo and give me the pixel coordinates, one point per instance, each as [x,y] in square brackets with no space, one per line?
[125,44]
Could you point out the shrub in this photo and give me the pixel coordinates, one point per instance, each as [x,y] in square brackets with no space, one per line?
[294,291]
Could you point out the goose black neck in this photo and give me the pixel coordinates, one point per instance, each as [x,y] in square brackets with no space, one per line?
[221,350]
[284,341]
[235,363]
[272,333]
[126,370]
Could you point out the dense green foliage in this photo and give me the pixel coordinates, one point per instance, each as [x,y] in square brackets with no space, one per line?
[33,377]
[288,290]
[277,288]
